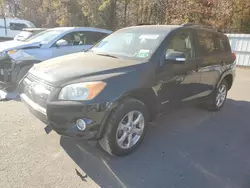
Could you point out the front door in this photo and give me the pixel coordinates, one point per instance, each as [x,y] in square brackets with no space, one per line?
[77,42]
[178,81]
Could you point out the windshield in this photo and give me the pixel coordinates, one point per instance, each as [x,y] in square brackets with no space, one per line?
[131,43]
[45,36]
[31,24]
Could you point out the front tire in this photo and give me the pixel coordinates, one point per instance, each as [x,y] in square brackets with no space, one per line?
[126,128]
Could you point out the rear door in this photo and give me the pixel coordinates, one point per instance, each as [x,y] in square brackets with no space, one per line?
[213,56]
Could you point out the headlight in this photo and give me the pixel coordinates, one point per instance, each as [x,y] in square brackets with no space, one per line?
[12,52]
[81,91]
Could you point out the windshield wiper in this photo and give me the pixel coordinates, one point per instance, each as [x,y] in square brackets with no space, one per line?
[107,55]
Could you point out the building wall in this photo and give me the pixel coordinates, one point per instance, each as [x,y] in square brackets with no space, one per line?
[240,44]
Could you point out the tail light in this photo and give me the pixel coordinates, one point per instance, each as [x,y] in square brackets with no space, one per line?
[234,56]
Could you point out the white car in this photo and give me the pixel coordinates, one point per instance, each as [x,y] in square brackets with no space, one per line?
[10,27]
[27,33]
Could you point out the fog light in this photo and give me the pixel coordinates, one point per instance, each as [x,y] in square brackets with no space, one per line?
[81,124]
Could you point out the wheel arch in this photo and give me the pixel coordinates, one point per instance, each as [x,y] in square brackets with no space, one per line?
[146,96]
[21,65]
[229,77]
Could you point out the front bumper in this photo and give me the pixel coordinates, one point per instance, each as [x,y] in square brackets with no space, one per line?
[62,116]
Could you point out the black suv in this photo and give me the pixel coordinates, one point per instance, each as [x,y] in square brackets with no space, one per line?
[111,92]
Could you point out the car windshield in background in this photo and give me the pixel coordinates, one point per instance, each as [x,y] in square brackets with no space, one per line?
[133,43]
[45,36]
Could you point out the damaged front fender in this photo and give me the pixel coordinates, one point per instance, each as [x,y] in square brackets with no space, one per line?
[6,67]
[10,69]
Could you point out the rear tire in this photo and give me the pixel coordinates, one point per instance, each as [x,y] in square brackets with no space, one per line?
[118,128]
[218,98]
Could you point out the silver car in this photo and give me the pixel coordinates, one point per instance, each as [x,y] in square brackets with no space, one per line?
[17,57]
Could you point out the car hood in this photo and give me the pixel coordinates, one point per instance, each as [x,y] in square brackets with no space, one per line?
[64,69]
[14,45]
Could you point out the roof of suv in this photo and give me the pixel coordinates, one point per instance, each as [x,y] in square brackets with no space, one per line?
[173,27]
[155,26]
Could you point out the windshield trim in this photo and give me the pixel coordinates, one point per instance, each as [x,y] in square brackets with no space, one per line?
[46,31]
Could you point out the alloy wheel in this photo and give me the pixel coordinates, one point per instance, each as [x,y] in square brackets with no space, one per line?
[130,129]
[221,95]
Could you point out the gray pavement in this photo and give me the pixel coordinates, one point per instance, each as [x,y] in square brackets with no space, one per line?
[190,148]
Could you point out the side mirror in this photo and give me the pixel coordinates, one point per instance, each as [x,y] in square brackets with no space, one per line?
[175,57]
[61,42]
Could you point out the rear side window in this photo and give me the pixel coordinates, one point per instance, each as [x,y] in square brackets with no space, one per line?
[17,26]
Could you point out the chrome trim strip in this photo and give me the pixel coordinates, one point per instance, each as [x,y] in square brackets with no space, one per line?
[164,102]
[33,105]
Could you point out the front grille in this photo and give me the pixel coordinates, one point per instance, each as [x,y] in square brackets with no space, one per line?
[36,90]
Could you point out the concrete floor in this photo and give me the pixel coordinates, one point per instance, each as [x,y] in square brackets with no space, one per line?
[191,148]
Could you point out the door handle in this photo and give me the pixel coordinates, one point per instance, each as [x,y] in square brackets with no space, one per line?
[179,79]
[196,69]
[222,63]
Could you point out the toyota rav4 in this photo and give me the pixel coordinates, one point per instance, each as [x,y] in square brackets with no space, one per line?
[113,91]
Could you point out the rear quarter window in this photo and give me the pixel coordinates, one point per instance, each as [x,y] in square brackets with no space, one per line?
[212,43]
[219,44]
[206,43]
[222,44]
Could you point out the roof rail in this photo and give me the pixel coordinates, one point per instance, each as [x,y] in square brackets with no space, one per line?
[202,26]
[197,25]
[188,24]
[144,24]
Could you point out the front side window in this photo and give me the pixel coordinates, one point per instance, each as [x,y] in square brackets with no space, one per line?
[82,38]
[17,26]
[181,43]
[133,43]
[74,39]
